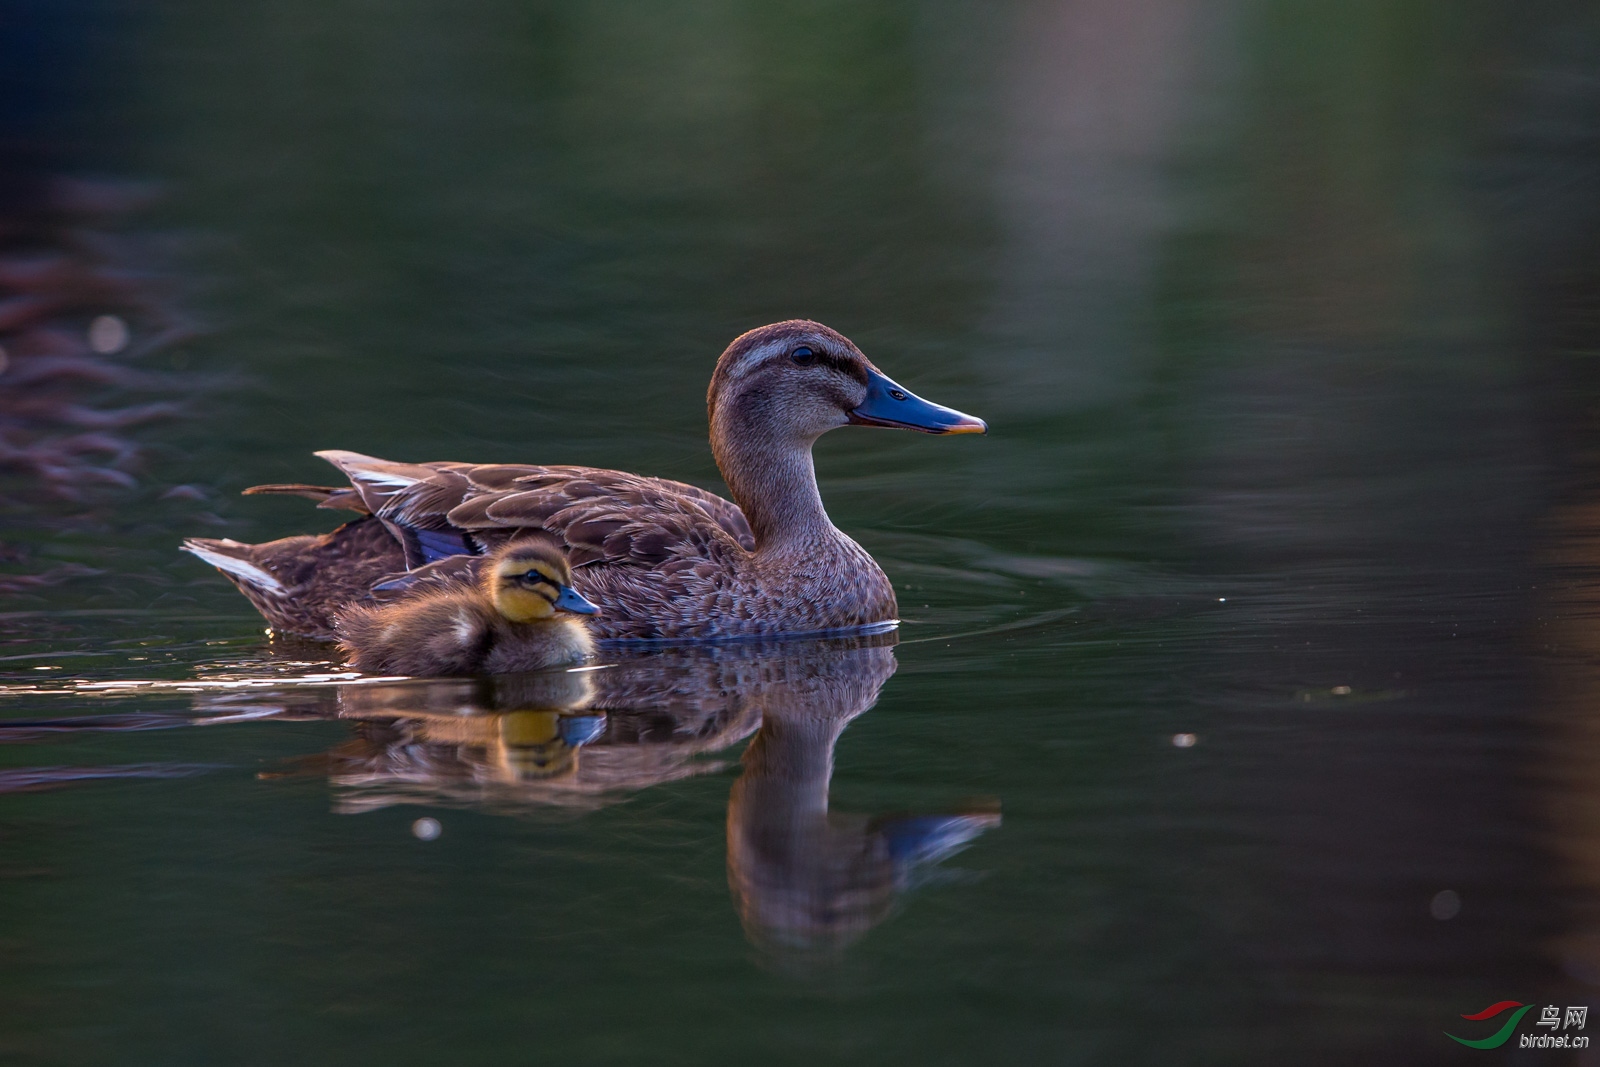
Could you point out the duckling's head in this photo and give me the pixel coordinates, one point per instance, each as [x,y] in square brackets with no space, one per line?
[532,747]
[797,380]
[539,743]
[529,580]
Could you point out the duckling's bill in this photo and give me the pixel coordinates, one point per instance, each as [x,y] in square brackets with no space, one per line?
[890,404]
[569,599]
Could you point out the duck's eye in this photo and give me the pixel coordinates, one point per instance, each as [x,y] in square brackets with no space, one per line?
[803,356]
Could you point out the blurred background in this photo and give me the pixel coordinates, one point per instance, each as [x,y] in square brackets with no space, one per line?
[1265,613]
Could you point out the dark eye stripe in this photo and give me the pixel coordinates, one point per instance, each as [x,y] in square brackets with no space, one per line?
[848,367]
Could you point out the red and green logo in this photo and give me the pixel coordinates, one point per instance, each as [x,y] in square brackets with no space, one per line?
[1500,1036]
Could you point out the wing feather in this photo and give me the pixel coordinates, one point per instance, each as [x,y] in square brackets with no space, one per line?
[603,516]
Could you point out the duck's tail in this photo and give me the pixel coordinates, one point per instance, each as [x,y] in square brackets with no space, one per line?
[233,558]
[338,498]
[300,583]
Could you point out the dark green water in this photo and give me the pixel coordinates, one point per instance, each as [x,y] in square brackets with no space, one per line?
[1264,616]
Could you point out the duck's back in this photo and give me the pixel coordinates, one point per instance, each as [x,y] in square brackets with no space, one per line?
[438,509]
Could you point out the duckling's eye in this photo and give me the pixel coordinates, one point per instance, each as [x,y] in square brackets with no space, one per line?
[532,578]
[803,356]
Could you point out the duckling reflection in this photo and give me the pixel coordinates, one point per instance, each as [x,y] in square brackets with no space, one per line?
[490,759]
[808,882]
[533,745]
[512,744]
[488,742]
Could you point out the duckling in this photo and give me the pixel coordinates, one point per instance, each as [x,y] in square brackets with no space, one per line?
[519,618]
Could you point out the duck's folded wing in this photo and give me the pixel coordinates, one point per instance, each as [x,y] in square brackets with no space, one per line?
[452,572]
[724,512]
[381,482]
[602,515]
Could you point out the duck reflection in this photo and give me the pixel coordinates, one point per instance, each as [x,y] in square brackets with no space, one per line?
[806,881]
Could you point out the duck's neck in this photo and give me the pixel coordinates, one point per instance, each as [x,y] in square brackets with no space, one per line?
[787,768]
[775,484]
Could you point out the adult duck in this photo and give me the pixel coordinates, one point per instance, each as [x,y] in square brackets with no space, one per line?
[661,559]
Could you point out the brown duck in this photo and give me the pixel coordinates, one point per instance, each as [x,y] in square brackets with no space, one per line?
[661,559]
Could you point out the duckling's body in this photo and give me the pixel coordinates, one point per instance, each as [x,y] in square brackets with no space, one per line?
[519,617]
[663,559]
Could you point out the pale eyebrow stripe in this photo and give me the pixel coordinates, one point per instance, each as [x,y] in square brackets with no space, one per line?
[756,356]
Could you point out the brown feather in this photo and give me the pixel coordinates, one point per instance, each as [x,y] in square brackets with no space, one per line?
[342,497]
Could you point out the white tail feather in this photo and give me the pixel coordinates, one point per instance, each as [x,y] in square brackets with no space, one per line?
[241,569]
[374,471]
[398,481]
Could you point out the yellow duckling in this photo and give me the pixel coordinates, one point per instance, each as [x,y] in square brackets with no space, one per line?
[519,618]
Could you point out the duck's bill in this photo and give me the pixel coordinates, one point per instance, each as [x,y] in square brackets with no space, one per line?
[888,404]
[572,600]
[578,730]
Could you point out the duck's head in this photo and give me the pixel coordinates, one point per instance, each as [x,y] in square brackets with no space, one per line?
[529,579]
[798,379]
